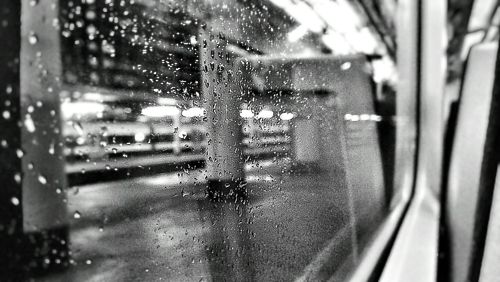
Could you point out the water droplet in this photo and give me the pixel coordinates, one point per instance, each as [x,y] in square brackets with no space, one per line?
[345,66]
[78,127]
[77,215]
[6,114]
[29,124]
[14,201]
[51,149]
[17,178]
[42,179]
[19,153]
[32,38]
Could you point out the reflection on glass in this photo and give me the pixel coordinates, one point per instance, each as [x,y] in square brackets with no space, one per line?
[220,140]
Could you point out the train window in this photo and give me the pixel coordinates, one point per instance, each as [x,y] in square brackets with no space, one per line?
[182,140]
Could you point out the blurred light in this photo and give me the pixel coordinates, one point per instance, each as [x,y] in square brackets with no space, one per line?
[363,40]
[160,111]
[376,118]
[167,101]
[351,117]
[194,112]
[286,116]
[337,43]
[303,13]
[384,70]
[70,109]
[193,40]
[265,114]
[93,96]
[80,140]
[297,33]
[246,114]
[363,117]
[139,137]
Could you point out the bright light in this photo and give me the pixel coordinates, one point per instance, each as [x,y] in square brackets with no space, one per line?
[363,117]
[193,40]
[81,108]
[93,96]
[246,114]
[160,111]
[376,118]
[286,116]
[265,114]
[345,66]
[194,112]
[167,101]
[303,13]
[80,140]
[297,33]
[384,70]
[139,137]
[337,43]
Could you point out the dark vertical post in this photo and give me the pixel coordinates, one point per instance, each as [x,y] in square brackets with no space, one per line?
[33,226]
[10,138]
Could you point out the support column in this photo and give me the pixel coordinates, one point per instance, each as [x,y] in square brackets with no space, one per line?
[33,225]
[222,99]
[10,164]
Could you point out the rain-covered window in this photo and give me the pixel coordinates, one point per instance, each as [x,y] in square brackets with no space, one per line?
[201,140]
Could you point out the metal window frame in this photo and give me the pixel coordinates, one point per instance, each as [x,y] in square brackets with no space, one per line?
[406,246]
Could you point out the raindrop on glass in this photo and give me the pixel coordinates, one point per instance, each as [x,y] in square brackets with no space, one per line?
[29,124]
[14,201]
[42,179]
[32,38]
[19,153]
[6,114]
[77,215]
[51,149]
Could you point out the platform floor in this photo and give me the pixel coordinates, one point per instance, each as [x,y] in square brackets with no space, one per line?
[162,228]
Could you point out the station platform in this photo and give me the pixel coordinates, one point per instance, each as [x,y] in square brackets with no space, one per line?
[163,228]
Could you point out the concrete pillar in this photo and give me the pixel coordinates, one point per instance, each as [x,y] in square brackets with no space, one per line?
[229,245]
[221,95]
[306,143]
[33,227]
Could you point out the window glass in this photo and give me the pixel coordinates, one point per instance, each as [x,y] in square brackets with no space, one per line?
[204,140]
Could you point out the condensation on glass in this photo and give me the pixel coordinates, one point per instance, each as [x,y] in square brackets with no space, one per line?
[205,140]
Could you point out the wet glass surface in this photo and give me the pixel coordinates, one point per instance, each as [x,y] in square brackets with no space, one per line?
[204,140]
